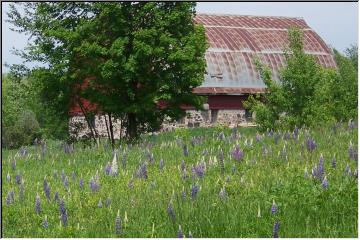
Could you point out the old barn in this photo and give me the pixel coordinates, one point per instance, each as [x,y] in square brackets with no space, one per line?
[231,75]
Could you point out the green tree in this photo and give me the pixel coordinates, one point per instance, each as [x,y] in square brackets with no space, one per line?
[133,54]
[306,93]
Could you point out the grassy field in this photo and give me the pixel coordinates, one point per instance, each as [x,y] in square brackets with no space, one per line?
[275,184]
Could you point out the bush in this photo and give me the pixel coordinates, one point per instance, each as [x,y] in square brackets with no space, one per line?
[23,132]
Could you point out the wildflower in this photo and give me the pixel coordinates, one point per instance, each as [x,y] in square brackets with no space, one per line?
[183,194]
[296,133]
[348,170]
[223,194]
[18,179]
[274,208]
[46,188]
[221,162]
[161,165]
[56,197]
[108,202]
[150,157]
[13,164]
[180,233]
[37,204]
[45,224]
[10,197]
[325,183]
[66,182]
[310,144]
[99,204]
[351,124]
[63,212]
[205,152]
[194,192]
[171,212]
[221,136]
[94,185]
[114,166]
[63,175]
[185,150]
[320,167]
[198,170]
[237,153]
[81,183]
[23,151]
[118,223]
[276,229]
[8,177]
[353,155]
[258,137]
[190,235]
[142,171]
[182,166]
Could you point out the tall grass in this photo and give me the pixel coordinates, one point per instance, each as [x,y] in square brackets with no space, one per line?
[261,177]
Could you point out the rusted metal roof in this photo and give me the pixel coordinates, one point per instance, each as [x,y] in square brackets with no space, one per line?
[235,41]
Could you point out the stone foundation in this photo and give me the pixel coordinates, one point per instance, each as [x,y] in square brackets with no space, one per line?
[194,118]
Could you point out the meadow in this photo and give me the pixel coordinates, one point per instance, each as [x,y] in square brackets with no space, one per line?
[203,182]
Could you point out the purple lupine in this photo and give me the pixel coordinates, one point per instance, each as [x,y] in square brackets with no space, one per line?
[276,229]
[223,194]
[10,197]
[81,183]
[18,179]
[94,185]
[150,157]
[185,150]
[190,235]
[270,133]
[274,208]
[348,170]
[351,124]
[183,195]
[99,204]
[237,154]
[23,151]
[161,164]
[142,171]
[13,164]
[184,174]
[171,212]
[353,155]
[37,204]
[45,223]
[46,188]
[180,233]
[221,161]
[66,182]
[63,212]
[63,175]
[310,144]
[182,165]
[205,152]
[123,161]
[333,162]
[118,223]
[194,192]
[325,183]
[320,168]
[296,133]
[198,170]
[258,137]
[108,202]
[56,197]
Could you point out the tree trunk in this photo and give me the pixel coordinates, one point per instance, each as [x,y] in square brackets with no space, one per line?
[132,127]
[111,132]
[87,120]
[107,128]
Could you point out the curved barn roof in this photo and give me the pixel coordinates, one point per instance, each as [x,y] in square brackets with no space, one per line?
[234,42]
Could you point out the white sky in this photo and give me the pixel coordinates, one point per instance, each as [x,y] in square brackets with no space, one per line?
[337,23]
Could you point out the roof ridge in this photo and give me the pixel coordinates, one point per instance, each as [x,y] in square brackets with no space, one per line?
[246,15]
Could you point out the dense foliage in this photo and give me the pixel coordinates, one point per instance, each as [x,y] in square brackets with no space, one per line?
[211,182]
[130,56]
[307,94]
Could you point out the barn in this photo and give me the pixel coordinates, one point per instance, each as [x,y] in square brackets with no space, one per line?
[231,75]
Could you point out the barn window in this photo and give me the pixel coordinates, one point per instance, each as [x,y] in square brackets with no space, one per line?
[214,115]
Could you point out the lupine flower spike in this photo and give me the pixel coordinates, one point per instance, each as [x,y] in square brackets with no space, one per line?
[37,204]
[274,208]
[45,223]
[180,233]
[276,229]
[118,223]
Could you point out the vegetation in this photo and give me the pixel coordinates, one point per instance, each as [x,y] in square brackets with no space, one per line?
[307,94]
[129,56]
[290,184]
